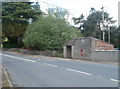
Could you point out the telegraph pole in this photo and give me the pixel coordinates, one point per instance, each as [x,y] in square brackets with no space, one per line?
[103,23]
[109,35]
[108,28]
[107,25]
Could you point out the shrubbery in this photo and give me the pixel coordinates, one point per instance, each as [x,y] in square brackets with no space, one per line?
[49,33]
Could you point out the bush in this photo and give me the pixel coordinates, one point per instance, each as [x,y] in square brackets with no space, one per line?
[59,54]
[49,33]
[11,45]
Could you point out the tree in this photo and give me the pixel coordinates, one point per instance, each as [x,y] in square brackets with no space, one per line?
[58,12]
[115,35]
[92,26]
[92,10]
[0,20]
[49,33]
[16,17]
[79,21]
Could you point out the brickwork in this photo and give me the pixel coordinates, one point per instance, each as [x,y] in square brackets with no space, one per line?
[103,45]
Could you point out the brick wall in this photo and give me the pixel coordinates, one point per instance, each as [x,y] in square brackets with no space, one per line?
[100,45]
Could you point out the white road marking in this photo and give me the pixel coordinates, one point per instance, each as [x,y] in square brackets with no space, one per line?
[115,80]
[18,58]
[50,65]
[79,71]
[66,59]
[69,69]
[45,63]
[54,58]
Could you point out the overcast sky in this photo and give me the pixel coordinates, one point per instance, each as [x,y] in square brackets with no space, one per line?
[78,7]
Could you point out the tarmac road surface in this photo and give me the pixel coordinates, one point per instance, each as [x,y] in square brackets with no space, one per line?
[38,72]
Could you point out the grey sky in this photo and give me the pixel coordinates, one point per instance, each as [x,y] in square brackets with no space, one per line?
[78,7]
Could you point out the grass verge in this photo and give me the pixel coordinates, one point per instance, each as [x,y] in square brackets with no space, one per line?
[5,79]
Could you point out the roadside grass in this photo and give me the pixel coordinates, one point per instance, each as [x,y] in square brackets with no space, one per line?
[60,55]
[5,82]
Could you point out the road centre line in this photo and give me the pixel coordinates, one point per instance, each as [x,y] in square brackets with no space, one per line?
[47,64]
[50,65]
[69,69]
[90,74]
[18,58]
[79,71]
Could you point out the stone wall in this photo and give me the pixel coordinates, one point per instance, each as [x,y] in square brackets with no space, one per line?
[15,49]
[105,56]
[31,52]
[34,52]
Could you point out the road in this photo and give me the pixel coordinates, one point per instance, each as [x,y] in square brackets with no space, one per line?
[41,72]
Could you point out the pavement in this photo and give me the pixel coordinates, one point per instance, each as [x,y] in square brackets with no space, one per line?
[28,71]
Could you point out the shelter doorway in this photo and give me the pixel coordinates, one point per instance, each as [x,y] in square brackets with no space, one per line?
[69,52]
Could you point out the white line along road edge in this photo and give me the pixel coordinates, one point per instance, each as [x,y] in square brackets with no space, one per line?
[115,80]
[18,58]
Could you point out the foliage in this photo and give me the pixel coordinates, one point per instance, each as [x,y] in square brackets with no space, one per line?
[92,25]
[16,16]
[115,35]
[59,54]
[0,20]
[11,45]
[58,12]
[79,21]
[49,33]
